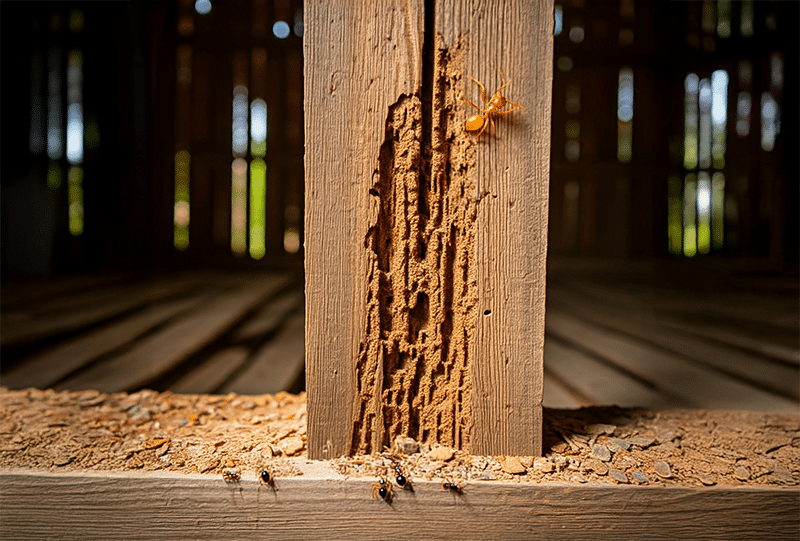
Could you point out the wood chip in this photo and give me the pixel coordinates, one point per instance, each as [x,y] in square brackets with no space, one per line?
[618,476]
[152,444]
[707,479]
[511,464]
[597,429]
[742,473]
[601,452]
[292,446]
[642,441]
[441,453]
[543,465]
[639,477]
[592,464]
[663,469]
[208,465]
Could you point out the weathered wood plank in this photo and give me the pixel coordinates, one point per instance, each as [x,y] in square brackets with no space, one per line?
[601,384]
[169,346]
[276,365]
[556,395]
[360,59]
[75,312]
[211,375]
[640,323]
[269,318]
[698,385]
[511,179]
[47,368]
[322,505]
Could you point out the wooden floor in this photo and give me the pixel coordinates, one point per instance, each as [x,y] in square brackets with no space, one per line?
[673,334]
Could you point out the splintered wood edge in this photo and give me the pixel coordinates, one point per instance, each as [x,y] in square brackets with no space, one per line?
[323,504]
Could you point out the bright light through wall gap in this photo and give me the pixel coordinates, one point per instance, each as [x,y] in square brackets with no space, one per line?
[239,127]
[258,128]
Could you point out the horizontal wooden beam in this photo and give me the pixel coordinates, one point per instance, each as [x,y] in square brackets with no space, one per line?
[322,504]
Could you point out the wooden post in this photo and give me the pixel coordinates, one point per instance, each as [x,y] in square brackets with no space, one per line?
[425,249]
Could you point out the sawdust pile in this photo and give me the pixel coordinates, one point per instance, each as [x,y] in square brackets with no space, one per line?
[88,430]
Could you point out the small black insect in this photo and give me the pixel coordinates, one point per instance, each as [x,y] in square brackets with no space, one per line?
[383,490]
[400,477]
[452,487]
[231,476]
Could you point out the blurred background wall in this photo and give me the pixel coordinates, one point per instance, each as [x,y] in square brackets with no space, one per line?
[170,134]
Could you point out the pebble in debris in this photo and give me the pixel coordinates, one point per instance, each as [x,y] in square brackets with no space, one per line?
[488,476]
[707,479]
[742,473]
[601,452]
[619,443]
[665,434]
[639,477]
[511,464]
[561,462]
[63,460]
[596,466]
[663,469]
[641,441]
[597,429]
[618,476]
[543,465]
[781,473]
[405,445]
[441,453]
[291,446]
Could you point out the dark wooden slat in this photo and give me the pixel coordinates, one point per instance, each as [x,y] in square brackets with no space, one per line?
[696,384]
[91,308]
[54,364]
[667,306]
[173,344]
[24,296]
[269,318]
[276,365]
[642,325]
[601,384]
[556,395]
[208,377]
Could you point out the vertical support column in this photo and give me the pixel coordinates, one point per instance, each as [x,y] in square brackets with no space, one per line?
[425,249]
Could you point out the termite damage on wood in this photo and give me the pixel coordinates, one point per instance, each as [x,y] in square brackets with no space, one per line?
[413,365]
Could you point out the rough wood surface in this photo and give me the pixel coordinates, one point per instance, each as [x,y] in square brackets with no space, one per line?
[323,505]
[359,61]
[511,179]
[425,249]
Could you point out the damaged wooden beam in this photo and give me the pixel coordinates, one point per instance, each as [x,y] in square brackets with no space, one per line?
[425,247]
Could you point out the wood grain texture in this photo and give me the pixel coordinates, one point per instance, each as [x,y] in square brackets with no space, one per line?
[360,58]
[322,505]
[512,180]
[692,384]
[276,365]
[392,260]
[175,342]
[48,368]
